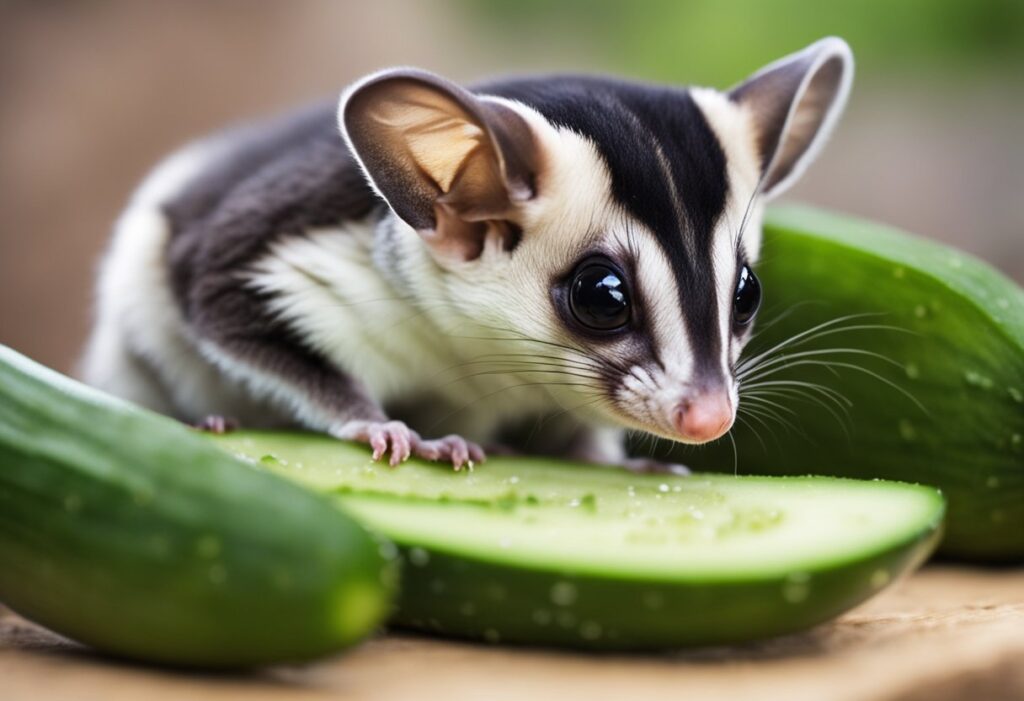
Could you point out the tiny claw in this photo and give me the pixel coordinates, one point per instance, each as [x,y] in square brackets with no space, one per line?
[476,454]
[398,455]
[379,443]
[459,456]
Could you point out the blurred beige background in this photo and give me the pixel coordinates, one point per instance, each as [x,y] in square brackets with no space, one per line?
[93,93]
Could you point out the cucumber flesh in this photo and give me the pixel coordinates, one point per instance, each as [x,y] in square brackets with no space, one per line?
[939,398]
[131,533]
[543,552]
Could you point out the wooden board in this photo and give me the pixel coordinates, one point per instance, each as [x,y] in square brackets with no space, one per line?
[947,633]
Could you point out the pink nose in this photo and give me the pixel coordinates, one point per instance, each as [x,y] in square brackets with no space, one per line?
[704,417]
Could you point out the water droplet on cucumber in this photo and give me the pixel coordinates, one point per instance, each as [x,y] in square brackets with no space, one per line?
[976,379]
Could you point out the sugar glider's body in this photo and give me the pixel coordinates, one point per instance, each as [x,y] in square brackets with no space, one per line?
[423,264]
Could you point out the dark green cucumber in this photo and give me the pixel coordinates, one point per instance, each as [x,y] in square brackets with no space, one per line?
[543,552]
[957,350]
[131,533]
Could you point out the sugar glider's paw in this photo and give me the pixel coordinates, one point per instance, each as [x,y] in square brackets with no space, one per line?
[455,449]
[217,424]
[649,466]
[383,437]
[399,442]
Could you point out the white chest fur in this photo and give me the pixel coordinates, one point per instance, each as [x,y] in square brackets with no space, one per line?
[405,348]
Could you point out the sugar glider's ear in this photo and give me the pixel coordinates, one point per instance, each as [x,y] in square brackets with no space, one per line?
[794,103]
[452,165]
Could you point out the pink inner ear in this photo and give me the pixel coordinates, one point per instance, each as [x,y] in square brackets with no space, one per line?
[793,103]
[457,238]
[806,120]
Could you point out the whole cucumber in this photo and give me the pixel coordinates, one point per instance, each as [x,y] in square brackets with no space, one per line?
[926,384]
[131,533]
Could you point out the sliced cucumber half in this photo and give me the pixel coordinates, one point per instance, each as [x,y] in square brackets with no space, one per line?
[544,552]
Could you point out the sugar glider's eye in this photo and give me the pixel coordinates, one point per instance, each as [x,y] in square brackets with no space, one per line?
[598,296]
[747,298]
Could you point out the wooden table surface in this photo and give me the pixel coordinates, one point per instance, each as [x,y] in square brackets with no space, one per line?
[946,633]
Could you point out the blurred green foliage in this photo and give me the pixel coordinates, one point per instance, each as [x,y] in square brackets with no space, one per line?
[716,42]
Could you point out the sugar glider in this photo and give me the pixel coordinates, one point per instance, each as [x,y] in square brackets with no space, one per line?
[428,268]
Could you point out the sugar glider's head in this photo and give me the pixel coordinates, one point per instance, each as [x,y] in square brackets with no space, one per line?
[610,230]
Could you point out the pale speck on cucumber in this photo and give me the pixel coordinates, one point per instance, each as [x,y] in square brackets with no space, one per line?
[590,630]
[880,578]
[907,431]
[208,546]
[217,573]
[653,600]
[72,503]
[796,588]
[976,379]
[418,557]
[541,617]
[563,593]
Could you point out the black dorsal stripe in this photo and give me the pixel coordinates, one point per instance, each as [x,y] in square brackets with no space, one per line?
[629,123]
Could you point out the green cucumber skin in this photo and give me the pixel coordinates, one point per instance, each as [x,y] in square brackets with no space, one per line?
[620,614]
[469,594]
[963,360]
[131,533]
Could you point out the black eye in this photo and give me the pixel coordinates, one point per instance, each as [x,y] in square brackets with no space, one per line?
[598,297]
[748,297]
